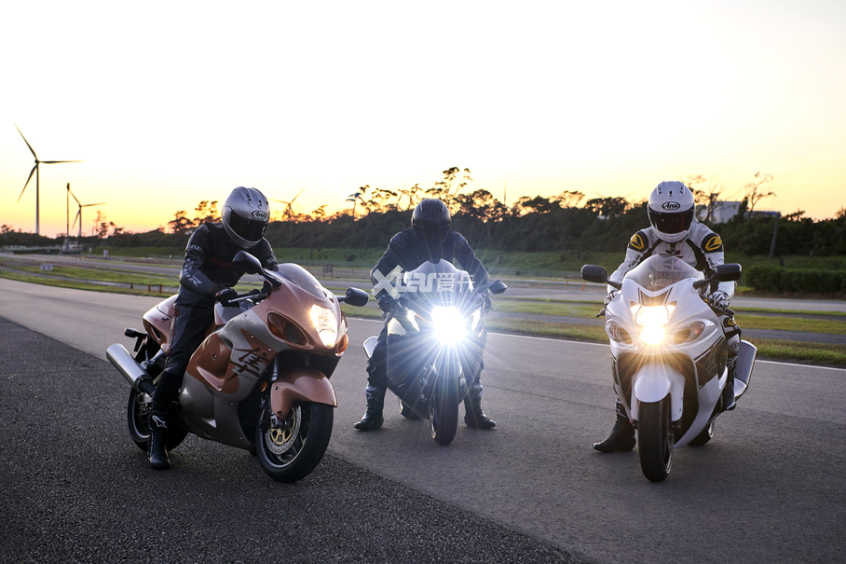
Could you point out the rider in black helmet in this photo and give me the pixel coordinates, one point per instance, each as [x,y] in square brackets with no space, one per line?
[428,239]
[207,277]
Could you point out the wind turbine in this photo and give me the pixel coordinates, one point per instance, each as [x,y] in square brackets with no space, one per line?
[79,213]
[289,210]
[36,170]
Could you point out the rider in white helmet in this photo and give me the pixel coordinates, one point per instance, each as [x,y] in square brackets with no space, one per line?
[674,230]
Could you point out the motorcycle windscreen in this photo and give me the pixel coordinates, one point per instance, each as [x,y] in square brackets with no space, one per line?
[660,271]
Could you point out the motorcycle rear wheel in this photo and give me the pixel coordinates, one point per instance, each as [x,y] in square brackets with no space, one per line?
[137,416]
[293,451]
[443,415]
[406,411]
[705,435]
[655,439]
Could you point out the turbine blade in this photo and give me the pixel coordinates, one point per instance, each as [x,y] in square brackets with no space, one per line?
[31,150]
[56,162]
[88,205]
[77,217]
[27,182]
[74,197]
[298,195]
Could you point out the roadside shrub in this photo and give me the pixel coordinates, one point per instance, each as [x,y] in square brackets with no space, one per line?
[774,279]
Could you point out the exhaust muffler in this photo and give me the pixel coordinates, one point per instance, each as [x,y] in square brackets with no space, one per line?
[130,369]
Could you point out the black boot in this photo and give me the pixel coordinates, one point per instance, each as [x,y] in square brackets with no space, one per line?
[375,404]
[728,392]
[622,437]
[474,416]
[157,443]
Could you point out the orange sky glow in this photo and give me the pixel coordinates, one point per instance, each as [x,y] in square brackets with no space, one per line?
[172,103]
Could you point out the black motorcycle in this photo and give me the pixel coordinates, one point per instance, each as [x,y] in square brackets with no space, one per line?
[436,342]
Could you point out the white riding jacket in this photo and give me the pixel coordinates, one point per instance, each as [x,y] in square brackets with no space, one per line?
[702,249]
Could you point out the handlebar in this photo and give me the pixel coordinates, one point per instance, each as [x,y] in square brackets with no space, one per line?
[254,295]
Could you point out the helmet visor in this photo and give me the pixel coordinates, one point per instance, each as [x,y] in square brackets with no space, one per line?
[671,223]
[249,229]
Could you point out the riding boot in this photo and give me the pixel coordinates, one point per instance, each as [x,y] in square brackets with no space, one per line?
[157,443]
[728,392]
[474,416]
[622,437]
[375,404]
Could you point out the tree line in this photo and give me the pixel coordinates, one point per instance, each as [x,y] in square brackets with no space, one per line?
[560,223]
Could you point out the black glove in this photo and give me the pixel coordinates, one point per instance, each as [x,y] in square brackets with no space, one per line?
[225,295]
[386,304]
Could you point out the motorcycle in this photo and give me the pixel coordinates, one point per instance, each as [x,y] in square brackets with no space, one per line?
[260,379]
[435,341]
[669,353]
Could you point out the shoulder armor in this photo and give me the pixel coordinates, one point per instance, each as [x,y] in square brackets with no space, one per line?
[639,242]
[711,243]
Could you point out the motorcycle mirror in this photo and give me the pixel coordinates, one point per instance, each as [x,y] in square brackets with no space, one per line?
[727,272]
[355,297]
[498,287]
[593,273]
[247,262]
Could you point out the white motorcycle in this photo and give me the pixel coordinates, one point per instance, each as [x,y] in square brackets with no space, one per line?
[668,354]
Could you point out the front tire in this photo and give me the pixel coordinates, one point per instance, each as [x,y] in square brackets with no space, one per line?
[294,450]
[655,439]
[443,415]
[138,411]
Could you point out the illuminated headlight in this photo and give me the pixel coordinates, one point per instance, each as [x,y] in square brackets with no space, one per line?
[652,321]
[327,326]
[448,324]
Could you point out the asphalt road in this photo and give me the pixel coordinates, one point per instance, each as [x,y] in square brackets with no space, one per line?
[768,488]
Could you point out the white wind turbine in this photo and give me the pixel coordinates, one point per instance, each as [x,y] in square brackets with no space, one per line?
[289,210]
[36,171]
[79,213]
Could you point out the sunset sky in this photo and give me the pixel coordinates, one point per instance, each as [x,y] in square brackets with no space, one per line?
[169,103]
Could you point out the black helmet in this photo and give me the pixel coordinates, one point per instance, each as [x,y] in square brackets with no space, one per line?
[430,222]
[245,216]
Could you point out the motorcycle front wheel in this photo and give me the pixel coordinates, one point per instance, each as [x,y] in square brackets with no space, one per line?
[655,438]
[292,451]
[137,417]
[443,414]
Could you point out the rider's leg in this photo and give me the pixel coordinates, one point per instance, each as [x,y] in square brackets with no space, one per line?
[622,437]
[474,416]
[377,384]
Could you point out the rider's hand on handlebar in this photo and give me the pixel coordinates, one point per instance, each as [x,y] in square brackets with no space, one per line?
[718,301]
[225,295]
[386,304]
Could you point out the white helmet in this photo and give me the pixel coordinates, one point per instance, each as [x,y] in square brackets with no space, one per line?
[671,210]
[245,216]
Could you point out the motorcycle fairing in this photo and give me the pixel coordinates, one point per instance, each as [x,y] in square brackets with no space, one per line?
[157,322]
[300,384]
[653,382]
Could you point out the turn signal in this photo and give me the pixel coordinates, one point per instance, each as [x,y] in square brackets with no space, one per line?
[285,329]
[342,345]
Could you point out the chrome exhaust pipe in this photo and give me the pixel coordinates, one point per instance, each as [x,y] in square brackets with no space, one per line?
[129,369]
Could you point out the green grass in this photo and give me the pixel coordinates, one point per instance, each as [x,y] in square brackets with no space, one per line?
[103,275]
[816,353]
[78,285]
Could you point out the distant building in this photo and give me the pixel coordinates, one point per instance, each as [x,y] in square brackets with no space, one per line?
[722,212]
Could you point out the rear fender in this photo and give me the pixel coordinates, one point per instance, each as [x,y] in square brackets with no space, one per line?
[300,384]
[652,383]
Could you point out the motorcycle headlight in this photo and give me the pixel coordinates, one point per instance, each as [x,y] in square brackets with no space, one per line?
[326,324]
[448,324]
[652,321]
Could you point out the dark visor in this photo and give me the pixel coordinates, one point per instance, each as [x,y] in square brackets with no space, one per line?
[250,230]
[671,223]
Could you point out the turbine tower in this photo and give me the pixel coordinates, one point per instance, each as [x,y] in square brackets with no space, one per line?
[35,170]
[289,210]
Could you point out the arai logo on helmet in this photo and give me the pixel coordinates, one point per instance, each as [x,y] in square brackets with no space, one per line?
[670,206]
[259,215]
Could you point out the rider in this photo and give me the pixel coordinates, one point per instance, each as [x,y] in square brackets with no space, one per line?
[207,277]
[675,231]
[428,239]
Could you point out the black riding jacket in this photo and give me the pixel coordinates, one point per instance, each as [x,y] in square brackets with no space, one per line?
[208,266]
[409,252]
